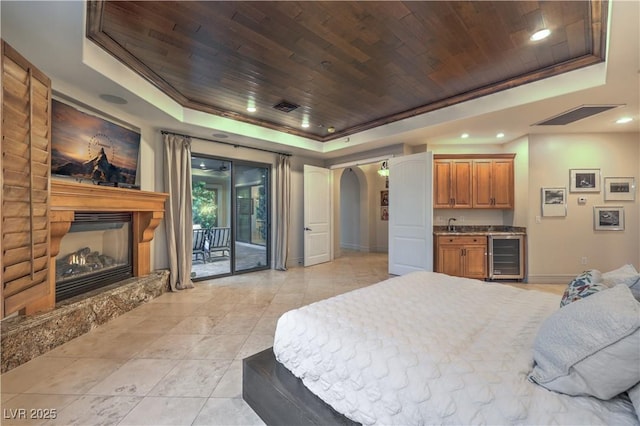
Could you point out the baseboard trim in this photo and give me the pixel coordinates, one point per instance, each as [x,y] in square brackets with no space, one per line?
[550,279]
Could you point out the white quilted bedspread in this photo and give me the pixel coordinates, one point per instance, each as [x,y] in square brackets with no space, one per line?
[426,348]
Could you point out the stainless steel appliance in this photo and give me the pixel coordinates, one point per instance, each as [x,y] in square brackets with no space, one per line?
[506,257]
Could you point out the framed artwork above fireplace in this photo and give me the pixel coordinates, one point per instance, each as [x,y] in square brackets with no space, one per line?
[89,148]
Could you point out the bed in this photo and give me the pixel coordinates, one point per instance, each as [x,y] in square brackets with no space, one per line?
[427,348]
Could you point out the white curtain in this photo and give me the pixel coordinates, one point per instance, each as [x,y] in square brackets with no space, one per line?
[178,221]
[283,203]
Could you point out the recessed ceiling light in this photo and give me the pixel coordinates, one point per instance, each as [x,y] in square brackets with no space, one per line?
[500,135]
[305,124]
[251,104]
[113,99]
[624,120]
[541,34]
[331,129]
[464,135]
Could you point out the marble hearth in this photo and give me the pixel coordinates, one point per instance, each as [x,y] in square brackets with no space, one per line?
[26,337]
[43,323]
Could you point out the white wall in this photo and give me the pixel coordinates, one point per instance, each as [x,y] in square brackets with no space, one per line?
[519,216]
[557,244]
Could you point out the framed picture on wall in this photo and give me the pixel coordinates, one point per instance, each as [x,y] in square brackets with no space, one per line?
[554,201]
[584,180]
[384,213]
[606,218]
[384,198]
[619,189]
[89,148]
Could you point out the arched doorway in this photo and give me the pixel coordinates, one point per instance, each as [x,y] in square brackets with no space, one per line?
[352,212]
[349,210]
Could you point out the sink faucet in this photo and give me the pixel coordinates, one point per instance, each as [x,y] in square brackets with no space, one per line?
[451,227]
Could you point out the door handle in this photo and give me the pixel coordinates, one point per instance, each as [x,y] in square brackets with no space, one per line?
[307,229]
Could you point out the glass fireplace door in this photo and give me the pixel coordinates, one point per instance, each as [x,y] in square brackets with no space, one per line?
[96,252]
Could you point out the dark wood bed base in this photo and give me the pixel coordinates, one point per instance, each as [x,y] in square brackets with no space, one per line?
[280,398]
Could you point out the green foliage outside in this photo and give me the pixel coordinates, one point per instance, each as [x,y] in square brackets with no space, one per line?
[205,205]
[261,210]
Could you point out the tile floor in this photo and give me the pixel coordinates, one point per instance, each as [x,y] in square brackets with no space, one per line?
[176,360]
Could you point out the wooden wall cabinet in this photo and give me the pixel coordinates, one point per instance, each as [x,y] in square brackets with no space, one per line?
[452,184]
[25,184]
[463,256]
[477,181]
[493,184]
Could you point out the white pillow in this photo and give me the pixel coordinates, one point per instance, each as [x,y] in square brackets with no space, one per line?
[590,347]
[626,275]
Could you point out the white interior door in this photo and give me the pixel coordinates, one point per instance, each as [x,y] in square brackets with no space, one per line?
[317,215]
[411,213]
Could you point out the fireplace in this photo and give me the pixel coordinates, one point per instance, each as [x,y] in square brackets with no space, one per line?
[96,252]
[69,202]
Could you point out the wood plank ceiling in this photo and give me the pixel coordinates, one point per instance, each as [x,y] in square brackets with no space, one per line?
[347,65]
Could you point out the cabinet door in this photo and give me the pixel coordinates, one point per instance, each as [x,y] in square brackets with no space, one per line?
[482,195]
[450,260]
[462,183]
[502,184]
[493,184]
[452,183]
[25,161]
[442,197]
[475,261]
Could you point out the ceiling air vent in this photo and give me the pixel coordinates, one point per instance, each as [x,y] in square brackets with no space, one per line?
[575,114]
[285,106]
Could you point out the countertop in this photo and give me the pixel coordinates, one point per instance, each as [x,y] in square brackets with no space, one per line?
[481,230]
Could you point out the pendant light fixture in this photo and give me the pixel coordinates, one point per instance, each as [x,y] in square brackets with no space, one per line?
[384,169]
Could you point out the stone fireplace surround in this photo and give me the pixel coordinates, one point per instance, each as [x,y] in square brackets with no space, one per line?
[48,324]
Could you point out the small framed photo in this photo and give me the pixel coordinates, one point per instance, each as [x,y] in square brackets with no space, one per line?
[384,197]
[584,180]
[606,218]
[384,213]
[619,189]
[554,201]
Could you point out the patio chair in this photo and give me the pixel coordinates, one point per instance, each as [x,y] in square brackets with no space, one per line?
[220,241]
[199,244]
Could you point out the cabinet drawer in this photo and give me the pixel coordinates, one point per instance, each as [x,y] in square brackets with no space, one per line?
[465,240]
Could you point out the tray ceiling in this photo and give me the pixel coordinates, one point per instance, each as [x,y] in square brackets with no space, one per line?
[348,66]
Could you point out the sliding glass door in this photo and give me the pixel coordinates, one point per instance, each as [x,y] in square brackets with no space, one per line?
[252,217]
[230,217]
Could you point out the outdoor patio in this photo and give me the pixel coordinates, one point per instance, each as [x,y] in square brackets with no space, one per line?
[248,256]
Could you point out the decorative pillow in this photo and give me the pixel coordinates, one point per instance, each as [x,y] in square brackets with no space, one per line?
[585,284]
[634,396]
[626,275]
[590,347]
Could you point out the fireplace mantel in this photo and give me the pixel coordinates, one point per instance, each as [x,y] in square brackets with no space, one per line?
[67,197]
